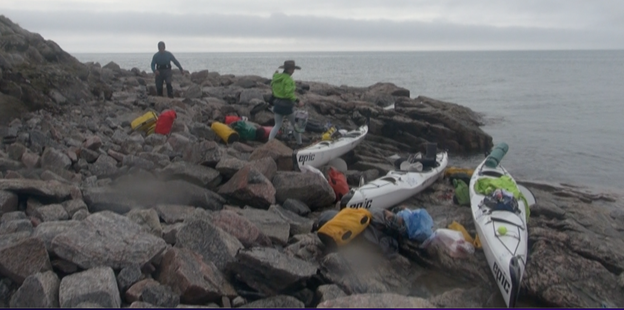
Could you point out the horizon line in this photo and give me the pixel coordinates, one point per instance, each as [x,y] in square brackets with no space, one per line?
[370,51]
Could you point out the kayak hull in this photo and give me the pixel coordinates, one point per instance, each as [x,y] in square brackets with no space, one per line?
[503,236]
[322,152]
[395,187]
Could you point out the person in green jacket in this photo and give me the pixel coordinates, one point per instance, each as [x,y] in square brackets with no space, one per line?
[283,87]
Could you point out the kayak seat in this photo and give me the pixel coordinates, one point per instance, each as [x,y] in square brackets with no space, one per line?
[495,174]
[427,163]
[389,179]
[352,135]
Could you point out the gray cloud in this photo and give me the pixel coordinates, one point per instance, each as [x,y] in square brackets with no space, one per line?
[591,32]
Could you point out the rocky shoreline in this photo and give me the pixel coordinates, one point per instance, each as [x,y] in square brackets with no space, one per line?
[93,214]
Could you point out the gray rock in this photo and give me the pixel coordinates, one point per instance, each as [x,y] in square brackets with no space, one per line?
[307,247]
[31,160]
[10,239]
[196,174]
[104,166]
[135,292]
[255,266]
[89,155]
[80,215]
[329,292]
[21,259]
[51,190]
[13,175]
[306,296]
[16,150]
[279,301]
[161,296]
[547,209]
[107,239]
[72,206]
[202,131]
[298,224]
[161,160]
[459,298]
[32,205]
[40,290]
[8,202]
[49,175]
[376,300]
[228,166]
[128,276]
[183,193]
[141,305]
[138,162]
[359,270]
[13,216]
[148,220]
[207,153]
[238,301]
[53,158]
[108,199]
[270,224]
[240,227]
[46,231]
[54,212]
[248,94]
[92,143]
[9,164]
[192,92]
[195,281]
[96,286]
[249,187]
[64,266]
[280,153]
[382,168]
[296,206]
[155,139]
[211,242]
[119,136]
[309,188]
[170,232]
[16,226]
[173,213]
[132,144]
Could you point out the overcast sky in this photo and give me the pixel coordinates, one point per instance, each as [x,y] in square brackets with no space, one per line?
[321,25]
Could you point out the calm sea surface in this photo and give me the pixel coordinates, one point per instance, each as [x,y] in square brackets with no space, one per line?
[559,111]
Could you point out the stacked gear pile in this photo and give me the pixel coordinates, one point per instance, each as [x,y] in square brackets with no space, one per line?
[145,123]
[501,200]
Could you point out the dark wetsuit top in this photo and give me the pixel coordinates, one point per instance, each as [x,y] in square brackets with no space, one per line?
[164,59]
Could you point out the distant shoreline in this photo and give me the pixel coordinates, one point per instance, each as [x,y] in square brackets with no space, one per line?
[356,51]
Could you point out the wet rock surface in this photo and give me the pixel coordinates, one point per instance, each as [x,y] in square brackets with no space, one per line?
[95,214]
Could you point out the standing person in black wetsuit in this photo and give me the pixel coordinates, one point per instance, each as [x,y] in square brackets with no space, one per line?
[161,66]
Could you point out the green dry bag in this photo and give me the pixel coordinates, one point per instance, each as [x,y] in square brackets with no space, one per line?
[245,130]
[462,195]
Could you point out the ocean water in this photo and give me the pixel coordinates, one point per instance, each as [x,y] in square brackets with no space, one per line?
[559,111]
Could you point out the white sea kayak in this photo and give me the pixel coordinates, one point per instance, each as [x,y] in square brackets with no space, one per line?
[503,234]
[394,187]
[322,152]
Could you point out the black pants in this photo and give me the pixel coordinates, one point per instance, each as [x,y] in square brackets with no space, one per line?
[164,76]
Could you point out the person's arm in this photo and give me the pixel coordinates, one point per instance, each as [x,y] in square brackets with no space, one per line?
[154,63]
[176,62]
